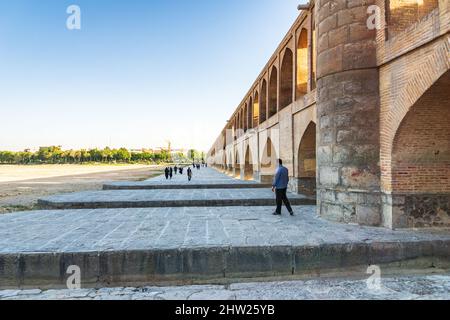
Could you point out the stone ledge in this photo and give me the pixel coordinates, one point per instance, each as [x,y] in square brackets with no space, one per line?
[216,265]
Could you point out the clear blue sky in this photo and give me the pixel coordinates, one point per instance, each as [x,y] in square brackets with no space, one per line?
[138,73]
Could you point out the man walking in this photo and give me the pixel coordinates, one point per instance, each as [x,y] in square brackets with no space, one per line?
[166,173]
[280,184]
[189,174]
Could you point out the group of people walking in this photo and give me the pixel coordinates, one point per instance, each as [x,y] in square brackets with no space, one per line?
[169,172]
[279,186]
[198,165]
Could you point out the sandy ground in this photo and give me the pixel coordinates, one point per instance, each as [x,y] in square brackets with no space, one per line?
[21,186]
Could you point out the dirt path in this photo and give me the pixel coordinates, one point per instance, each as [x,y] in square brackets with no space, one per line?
[21,186]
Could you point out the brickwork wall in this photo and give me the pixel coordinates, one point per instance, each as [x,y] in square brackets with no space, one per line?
[404,13]
[413,74]
[421,155]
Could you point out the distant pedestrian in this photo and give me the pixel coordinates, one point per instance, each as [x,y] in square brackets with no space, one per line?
[181,171]
[171,173]
[189,174]
[279,186]
[175,170]
[166,173]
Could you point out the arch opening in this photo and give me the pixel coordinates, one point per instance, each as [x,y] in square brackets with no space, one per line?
[250,114]
[302,64]
[420,163]
[273,92]
[313,54]
[268,162]
[237,165]
[225,162]
[263,106]
[256,110]
[248,166]
[286,79]
[245,118]
[307,161]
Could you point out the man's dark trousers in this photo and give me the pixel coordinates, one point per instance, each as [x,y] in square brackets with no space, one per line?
[282,197]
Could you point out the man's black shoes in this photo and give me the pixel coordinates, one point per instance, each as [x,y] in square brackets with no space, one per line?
[279,214]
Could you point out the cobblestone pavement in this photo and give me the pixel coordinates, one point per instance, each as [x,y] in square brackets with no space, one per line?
[436,287]
[173,228]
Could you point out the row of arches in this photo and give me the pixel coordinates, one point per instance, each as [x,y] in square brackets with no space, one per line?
[246,165]
[281,86]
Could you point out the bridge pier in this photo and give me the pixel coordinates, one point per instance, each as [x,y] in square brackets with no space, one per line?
[348,116]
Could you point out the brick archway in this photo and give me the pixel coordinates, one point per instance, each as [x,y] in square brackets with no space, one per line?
[263,104]
[307,161]
[395,105]
[302,64]
[273,92]
[420,161]
[286,79]
[256,110]
[248,165]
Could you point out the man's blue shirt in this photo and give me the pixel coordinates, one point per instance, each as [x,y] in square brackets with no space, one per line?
[281,178]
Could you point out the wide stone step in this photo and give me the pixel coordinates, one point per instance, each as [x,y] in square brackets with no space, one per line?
[168,198]
[200,245]
[146,185]
[206,178]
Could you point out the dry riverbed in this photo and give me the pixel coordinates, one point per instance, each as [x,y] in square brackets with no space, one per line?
[21,186]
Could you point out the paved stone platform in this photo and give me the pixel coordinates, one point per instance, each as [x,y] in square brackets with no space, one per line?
[419,287]
[168,198]
[195,245]
[205,178]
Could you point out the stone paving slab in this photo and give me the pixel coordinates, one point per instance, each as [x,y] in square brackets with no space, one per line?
[172,245]
[418,287]
[206,178]
[168,198]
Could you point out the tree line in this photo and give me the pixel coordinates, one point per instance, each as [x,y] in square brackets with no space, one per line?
[55,155]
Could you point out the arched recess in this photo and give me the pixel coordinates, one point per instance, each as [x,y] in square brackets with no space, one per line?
[245,117]
[225,160]
[263,104]
[238,126]
[420,161]
[256,110]
[412,84]
[248,167]
[273,92]
[269,158]
[302,64]
[237,164]
[286,79]
[213,157]
[250,113]
[313,54]
[307,161]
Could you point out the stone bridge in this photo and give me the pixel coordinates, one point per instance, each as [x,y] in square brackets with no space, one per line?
[360,117]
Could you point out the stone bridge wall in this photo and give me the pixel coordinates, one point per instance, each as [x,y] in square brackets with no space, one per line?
[366,92]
